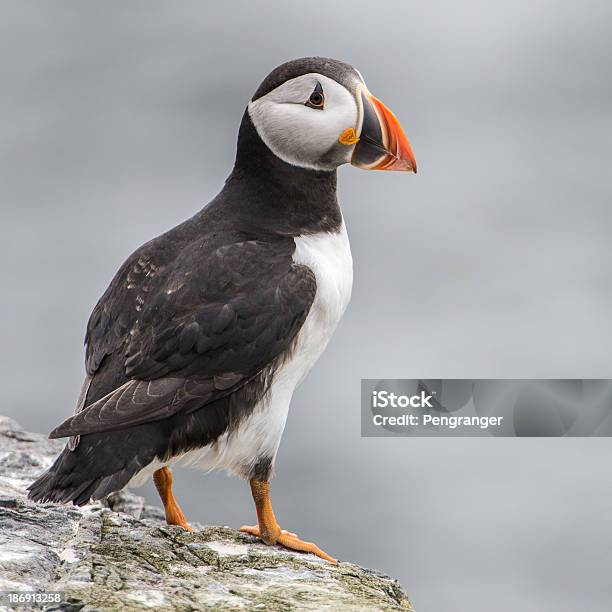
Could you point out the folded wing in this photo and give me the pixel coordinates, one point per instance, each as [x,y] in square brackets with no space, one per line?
[208,322]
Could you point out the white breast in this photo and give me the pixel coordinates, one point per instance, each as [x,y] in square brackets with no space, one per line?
[329,257]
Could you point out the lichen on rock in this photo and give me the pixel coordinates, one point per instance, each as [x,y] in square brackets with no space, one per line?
[122,556]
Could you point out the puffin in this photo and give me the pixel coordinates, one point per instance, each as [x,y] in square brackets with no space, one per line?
[193,352]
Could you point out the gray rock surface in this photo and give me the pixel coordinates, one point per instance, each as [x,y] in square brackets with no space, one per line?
[122,555]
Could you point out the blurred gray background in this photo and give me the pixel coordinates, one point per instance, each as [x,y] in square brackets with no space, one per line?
[118,120]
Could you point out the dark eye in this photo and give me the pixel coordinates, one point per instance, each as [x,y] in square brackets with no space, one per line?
[317,99]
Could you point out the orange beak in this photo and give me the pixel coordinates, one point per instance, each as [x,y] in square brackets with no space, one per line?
[382,143]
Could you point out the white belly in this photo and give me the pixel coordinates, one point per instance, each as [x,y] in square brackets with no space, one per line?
[329,257]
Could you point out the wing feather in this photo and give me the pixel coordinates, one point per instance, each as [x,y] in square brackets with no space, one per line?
[137,402]
[198,328]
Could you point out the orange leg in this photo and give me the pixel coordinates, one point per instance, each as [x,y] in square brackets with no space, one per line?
[268,529]
[163,483]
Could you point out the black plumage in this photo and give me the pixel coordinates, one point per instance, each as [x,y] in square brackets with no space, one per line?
[186,339]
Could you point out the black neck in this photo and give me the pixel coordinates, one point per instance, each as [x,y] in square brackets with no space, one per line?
[268,195]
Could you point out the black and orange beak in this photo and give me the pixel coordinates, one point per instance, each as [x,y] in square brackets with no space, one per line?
[382,143]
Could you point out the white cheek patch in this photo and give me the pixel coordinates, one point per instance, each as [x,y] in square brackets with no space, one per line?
[301,135]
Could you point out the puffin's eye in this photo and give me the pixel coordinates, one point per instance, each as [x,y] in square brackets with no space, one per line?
[317,99]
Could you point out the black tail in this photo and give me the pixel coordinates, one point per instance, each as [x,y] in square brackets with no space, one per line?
[101,464]
[104,462]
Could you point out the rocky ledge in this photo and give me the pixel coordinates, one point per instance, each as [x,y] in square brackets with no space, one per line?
[122,555]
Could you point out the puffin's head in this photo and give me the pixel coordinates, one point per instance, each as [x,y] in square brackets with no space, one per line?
[318,113]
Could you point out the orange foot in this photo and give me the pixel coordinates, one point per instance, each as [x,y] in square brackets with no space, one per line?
[174,515]
[288,539]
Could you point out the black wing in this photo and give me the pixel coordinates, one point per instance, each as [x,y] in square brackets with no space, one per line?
[202,326]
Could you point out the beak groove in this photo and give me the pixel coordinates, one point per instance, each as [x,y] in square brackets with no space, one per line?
[382,145]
